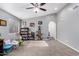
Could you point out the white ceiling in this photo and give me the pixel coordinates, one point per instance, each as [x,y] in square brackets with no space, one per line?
[20,11]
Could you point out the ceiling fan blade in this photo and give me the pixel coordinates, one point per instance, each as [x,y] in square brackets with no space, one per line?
[42,4]
[43,9]
[30,8]
[32,4]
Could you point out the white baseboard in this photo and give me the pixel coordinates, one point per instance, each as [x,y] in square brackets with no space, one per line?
[68,45]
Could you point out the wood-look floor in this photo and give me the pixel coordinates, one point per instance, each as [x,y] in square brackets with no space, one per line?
[53,48]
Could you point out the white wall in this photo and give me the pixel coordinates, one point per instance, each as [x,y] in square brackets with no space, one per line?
[4,30]
[68,26]
[44,26]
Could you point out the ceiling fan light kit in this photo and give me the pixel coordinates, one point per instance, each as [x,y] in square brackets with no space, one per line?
[36,10]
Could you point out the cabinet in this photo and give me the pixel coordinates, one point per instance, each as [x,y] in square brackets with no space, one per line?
[1,47]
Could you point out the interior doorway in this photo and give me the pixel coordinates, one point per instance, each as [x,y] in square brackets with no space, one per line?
[52,29]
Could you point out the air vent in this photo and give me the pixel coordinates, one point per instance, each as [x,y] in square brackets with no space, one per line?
[75,7]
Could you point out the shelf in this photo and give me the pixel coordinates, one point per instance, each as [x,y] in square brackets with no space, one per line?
[25,33]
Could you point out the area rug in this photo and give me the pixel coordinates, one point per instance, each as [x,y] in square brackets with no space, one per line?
[36,44]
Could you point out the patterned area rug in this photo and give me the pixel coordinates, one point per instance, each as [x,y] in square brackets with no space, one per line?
[36,44]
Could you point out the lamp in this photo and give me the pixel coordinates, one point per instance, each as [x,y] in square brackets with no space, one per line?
[36,9]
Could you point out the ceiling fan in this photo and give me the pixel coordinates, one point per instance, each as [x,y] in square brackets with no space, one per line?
[37,6]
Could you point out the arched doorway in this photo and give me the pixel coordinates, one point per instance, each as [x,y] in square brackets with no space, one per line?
[52,29]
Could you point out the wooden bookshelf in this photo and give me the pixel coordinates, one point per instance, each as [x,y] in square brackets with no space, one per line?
[26,34]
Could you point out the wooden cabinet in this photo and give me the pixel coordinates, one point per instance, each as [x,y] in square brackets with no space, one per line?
[1,47]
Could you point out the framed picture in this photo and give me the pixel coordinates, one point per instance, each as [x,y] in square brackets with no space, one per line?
[39,22]
[32,24]
[3,22]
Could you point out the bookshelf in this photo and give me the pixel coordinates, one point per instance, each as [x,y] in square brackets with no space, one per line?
[27,34]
